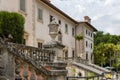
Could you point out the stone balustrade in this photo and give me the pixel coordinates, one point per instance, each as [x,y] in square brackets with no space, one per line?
[80,60]
[32,53]
[19,59]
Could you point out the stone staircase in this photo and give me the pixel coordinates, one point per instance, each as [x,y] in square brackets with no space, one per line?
[89,66]
[41,60]
[84,64]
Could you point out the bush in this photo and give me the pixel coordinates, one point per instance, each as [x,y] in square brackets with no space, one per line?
[12,23]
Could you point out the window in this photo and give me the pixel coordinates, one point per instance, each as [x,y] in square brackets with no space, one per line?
[59,36]
[24,41]
[40,45]
[73,53]
[66,28]
[40,14]
[59,21]
[22,5]
[91,57]
[86,43]
[86,55]
[73,31]
[91,35]
[91,46]
[86,31]
[51,18]
[66,54]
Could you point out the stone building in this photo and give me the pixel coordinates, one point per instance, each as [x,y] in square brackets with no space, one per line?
[39,14]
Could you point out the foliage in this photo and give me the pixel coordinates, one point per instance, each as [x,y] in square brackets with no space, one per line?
[106,49]
[79,37]
[106,38]
[12,23]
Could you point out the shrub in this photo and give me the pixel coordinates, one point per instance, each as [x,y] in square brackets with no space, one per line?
[12,23]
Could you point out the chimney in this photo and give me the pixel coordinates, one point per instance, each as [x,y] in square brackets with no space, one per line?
[87,19]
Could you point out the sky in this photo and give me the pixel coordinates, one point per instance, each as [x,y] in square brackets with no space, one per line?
[104,14]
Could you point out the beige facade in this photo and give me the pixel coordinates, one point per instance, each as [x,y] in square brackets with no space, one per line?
[85,47]
[37,15]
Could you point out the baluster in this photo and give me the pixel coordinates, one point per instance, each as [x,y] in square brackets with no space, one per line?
[50,56]
[40,56]
[43,56]
[34,55]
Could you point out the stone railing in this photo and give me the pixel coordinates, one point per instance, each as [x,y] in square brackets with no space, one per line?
[71,59]
[80,60]
[40,62]
[32,53]
[35,56]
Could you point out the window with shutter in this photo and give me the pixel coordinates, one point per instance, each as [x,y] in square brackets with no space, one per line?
[66,28]
[73,31]
[40,14]
[22,5]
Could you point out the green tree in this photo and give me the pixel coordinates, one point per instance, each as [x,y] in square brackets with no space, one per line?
[106,51]
[12,23]
[105,38]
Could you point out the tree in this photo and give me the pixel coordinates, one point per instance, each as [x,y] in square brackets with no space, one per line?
[105,38]
[106,49]
[12,23]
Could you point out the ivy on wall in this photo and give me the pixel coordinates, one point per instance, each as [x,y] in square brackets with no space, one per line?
[12,25]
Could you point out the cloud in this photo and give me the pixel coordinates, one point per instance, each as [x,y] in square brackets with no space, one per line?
[104,13]
[109,2]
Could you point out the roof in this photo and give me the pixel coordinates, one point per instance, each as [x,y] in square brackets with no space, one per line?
[60,11]
[64,14]
[89,25]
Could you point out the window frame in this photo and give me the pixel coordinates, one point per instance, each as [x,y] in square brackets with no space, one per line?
[59,21]
[51,18]
[86,43]
[40,13]
[21,5]
[73,31]
[66,28]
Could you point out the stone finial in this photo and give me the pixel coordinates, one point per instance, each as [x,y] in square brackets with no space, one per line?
[87,19]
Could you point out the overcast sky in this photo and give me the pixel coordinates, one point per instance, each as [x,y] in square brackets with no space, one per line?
[105,14]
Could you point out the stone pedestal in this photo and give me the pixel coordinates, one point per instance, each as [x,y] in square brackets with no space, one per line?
[58,71]
[57,68]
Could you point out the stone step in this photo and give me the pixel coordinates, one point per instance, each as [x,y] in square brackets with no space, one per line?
[99,68]
[88,68]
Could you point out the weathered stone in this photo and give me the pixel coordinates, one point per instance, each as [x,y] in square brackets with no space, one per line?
[35,57]
[32,77]
[3,78]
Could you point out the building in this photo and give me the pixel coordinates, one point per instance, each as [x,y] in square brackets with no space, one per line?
[38,15]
